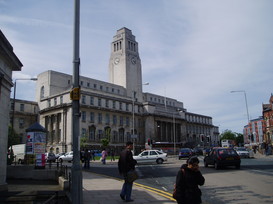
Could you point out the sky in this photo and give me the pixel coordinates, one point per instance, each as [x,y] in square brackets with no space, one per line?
[194,51]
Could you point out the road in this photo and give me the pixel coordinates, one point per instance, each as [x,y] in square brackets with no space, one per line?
[253,183]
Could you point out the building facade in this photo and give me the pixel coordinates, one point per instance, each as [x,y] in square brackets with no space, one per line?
[117,110]
[8,63]
[268,118]
[25,114]
[254,131]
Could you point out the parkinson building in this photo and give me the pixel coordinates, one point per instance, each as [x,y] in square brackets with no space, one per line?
[117,110]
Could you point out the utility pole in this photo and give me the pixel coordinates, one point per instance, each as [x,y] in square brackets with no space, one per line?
[75,97]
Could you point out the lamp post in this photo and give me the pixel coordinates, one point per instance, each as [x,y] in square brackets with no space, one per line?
[242,91]
[14,97]
[174,135]
[133,115]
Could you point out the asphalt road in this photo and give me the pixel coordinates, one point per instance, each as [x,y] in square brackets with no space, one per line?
[253,183]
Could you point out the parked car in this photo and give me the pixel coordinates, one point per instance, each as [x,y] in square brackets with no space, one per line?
[222,157]
[59,154]
[151,156]
[185,153]
[67,157]
[242,151]
[50,157]
[197,151]
[206,151]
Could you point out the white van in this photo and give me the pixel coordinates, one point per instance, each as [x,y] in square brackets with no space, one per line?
[19,152]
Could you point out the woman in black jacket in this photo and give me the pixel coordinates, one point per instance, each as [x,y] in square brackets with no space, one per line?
[187,181]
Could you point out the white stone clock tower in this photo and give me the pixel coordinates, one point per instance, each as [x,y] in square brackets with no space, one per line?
[125,64]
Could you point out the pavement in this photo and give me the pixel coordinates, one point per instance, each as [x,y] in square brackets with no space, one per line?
[101,189]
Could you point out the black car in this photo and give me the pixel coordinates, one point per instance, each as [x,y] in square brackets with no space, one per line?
[222,157]
[185,153]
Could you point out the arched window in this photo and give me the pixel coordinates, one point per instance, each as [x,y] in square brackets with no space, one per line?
[42,92]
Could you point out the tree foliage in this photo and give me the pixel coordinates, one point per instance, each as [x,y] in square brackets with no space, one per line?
[105,142]
[229,135]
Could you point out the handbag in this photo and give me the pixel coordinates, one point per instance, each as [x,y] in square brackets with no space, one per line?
[131,176]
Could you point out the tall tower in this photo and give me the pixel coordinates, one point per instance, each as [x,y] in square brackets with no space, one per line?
[125,64]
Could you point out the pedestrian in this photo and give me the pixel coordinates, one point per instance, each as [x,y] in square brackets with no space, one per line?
[87,157]
[188,179]
[126,163]
[112,153]
[103,156]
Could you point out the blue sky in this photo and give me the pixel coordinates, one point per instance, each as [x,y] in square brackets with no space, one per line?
[193,51]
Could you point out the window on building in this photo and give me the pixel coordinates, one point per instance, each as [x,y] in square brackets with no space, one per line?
[61,99]
[92,131]
[121,120]
[91,100]
[81,83]
[114,104]
[120,105]
[21,122]
[100,135]
[100,118]
[68,81]
[83,99]
[42,92]
[106,103]
[113,90]
[55,101]
[107,89]
[92,117]
[48,103]
[114,119]
[101,87]
[107,119]
[83,116]
[95,86]
[99,102]
[22,107]
[127,107]
[83,132]
[88,84]
[127,121]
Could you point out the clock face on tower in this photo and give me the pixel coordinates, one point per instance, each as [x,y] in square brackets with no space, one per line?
[116,61]
[133,60]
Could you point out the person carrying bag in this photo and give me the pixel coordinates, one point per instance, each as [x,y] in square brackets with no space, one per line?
[126,167]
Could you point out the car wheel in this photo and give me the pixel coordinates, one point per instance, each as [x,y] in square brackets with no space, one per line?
[205,163]
[159,161]
[216,166]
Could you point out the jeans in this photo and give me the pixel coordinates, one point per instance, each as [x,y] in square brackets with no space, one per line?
[127,190]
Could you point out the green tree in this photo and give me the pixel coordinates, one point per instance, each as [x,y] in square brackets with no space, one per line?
[83,142]
[228,135]
[105,142]
[239,139]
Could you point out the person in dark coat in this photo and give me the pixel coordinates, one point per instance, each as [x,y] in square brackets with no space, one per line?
[187,181]
[126,163]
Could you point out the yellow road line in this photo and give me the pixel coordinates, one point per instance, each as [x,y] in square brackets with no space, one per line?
[148,188]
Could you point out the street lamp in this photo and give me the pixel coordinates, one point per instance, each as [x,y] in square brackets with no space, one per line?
[14,94]
[242,91]
[174,135]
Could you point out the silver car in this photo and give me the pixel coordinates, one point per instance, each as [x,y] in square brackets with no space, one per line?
[151,156]
[67,157]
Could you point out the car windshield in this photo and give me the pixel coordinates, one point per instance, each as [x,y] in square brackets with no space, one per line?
[242,149]
[226,152]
